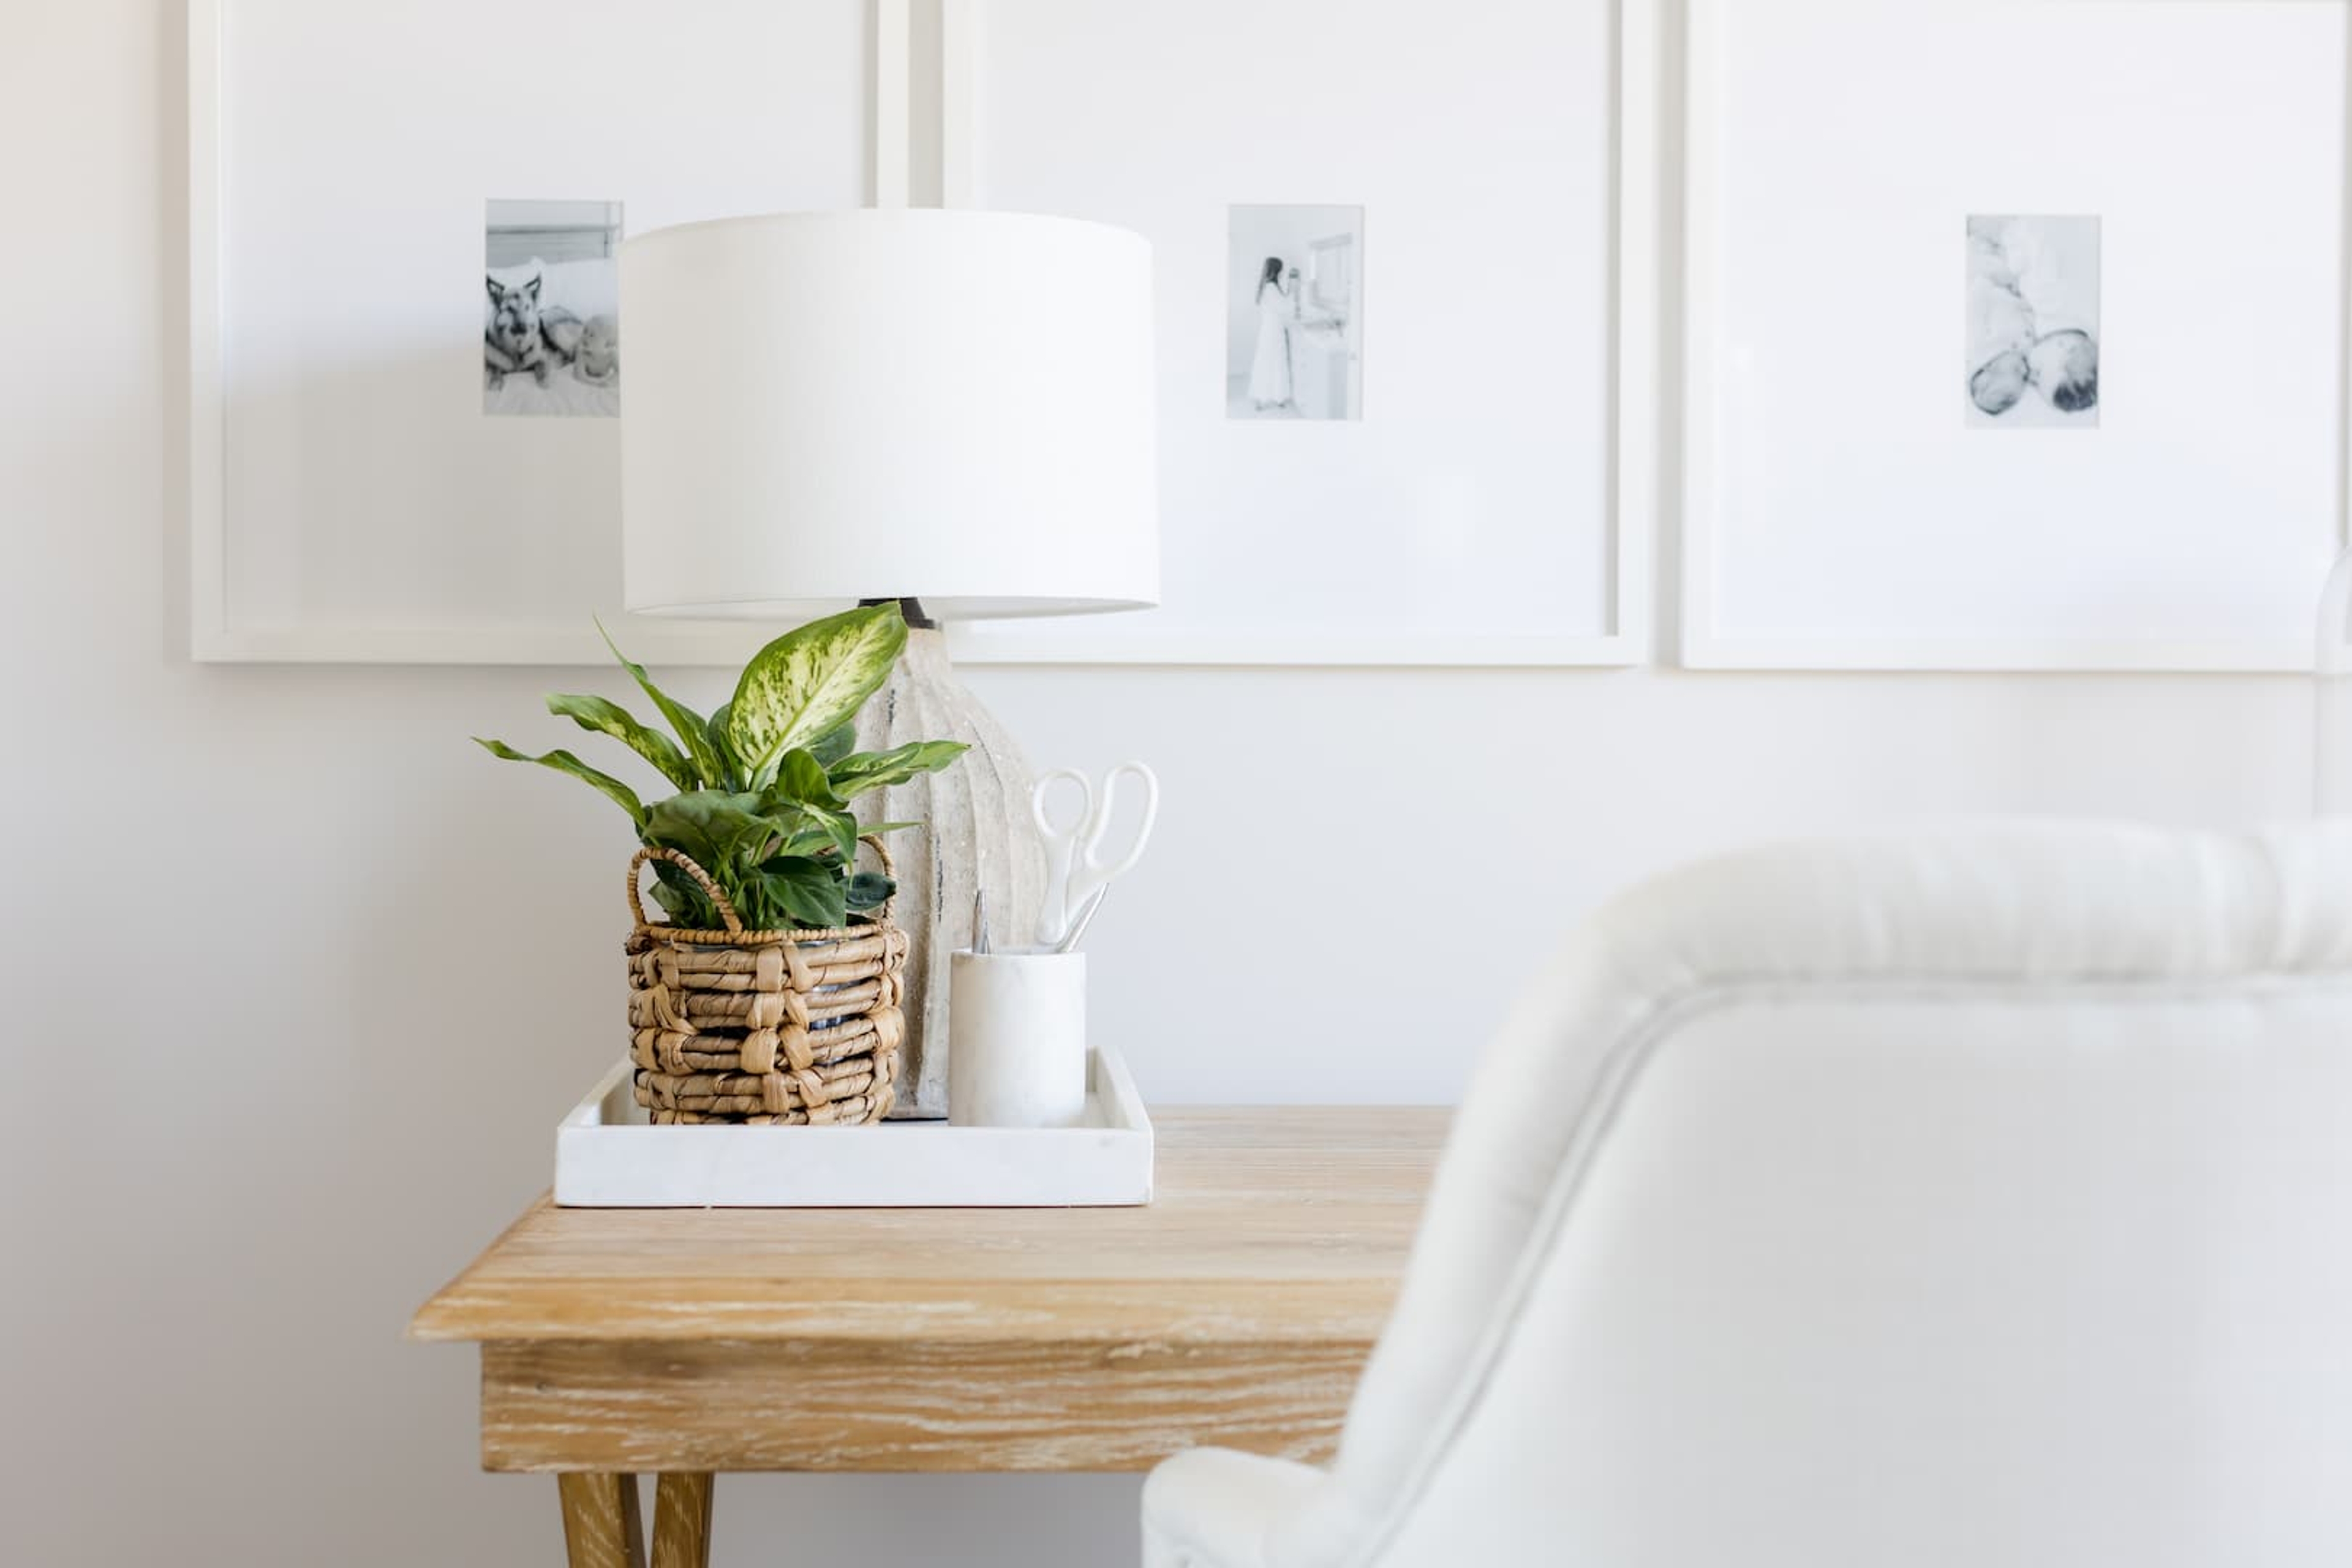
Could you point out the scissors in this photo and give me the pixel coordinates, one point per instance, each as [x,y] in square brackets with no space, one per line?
[1076,870]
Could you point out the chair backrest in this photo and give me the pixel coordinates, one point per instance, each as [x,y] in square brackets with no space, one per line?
[1969,1200]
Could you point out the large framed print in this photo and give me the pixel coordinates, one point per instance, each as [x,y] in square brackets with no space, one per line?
[406,353]
[1406,269]
[2015,332]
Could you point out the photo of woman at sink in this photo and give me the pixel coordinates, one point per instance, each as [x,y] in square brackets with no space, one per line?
[1293,320]
[1271,384]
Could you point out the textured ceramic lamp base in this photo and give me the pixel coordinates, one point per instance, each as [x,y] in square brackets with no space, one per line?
[978,833]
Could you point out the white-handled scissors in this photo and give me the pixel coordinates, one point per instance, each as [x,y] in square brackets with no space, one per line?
[1076,869]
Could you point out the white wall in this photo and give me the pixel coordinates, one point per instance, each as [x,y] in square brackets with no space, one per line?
[297,979]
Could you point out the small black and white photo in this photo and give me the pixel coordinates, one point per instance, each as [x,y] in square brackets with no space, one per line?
[2033,322]
[551,308]
[1294,326]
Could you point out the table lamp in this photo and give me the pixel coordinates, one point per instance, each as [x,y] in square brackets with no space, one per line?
[953,410]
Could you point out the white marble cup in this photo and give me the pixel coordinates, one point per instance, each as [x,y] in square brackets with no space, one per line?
[1017,1039]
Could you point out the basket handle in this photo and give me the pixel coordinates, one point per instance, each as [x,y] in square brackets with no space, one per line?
[889,870]
[684,862]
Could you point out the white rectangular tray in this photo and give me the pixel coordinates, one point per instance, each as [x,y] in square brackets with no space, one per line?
[609,1156]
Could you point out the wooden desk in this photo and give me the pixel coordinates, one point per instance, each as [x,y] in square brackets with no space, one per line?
[1237,1310]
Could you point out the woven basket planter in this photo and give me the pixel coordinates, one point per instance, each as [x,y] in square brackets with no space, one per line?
[776,1027]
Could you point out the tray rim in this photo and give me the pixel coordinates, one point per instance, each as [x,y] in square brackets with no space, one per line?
[1124,1135]
[1108,1084]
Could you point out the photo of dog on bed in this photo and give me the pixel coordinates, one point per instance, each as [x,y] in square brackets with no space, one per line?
[550,322]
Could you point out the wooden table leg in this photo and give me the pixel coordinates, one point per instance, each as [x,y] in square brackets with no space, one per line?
[682,1520]
[603,1525]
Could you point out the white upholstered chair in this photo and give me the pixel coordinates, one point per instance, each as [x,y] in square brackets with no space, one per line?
[1975,1200]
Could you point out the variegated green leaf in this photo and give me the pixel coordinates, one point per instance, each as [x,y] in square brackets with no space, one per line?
[853,776]
[714,729]
[808,683]
[611,788]
[611,718]
[834,743]
[693,729]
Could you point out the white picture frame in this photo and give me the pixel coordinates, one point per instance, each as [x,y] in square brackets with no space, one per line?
[1757,587]
[870,45]
[220,631]
[1631,333]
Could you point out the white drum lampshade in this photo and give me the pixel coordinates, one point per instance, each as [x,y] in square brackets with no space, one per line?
[954,409]
[944,405]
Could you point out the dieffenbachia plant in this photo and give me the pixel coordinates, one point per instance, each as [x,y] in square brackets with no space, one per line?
[765,784]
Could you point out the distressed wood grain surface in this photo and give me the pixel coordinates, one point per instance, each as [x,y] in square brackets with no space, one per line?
[1237,1309]
[603,1523]
[768,1406]
[682,1520]
[1268,1224]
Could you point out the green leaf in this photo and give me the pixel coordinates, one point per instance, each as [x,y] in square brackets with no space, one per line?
[673,904]
[714,729]
[802,805]
[808,683]
[833,744]
[611,788]
[712,827]
[685,903]
[596,714]
[869,889]
[806,892]
[812,829]
[801,778]
[853,776]
[693,729]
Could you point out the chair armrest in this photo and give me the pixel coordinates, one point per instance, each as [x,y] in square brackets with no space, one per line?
[1212,1508]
